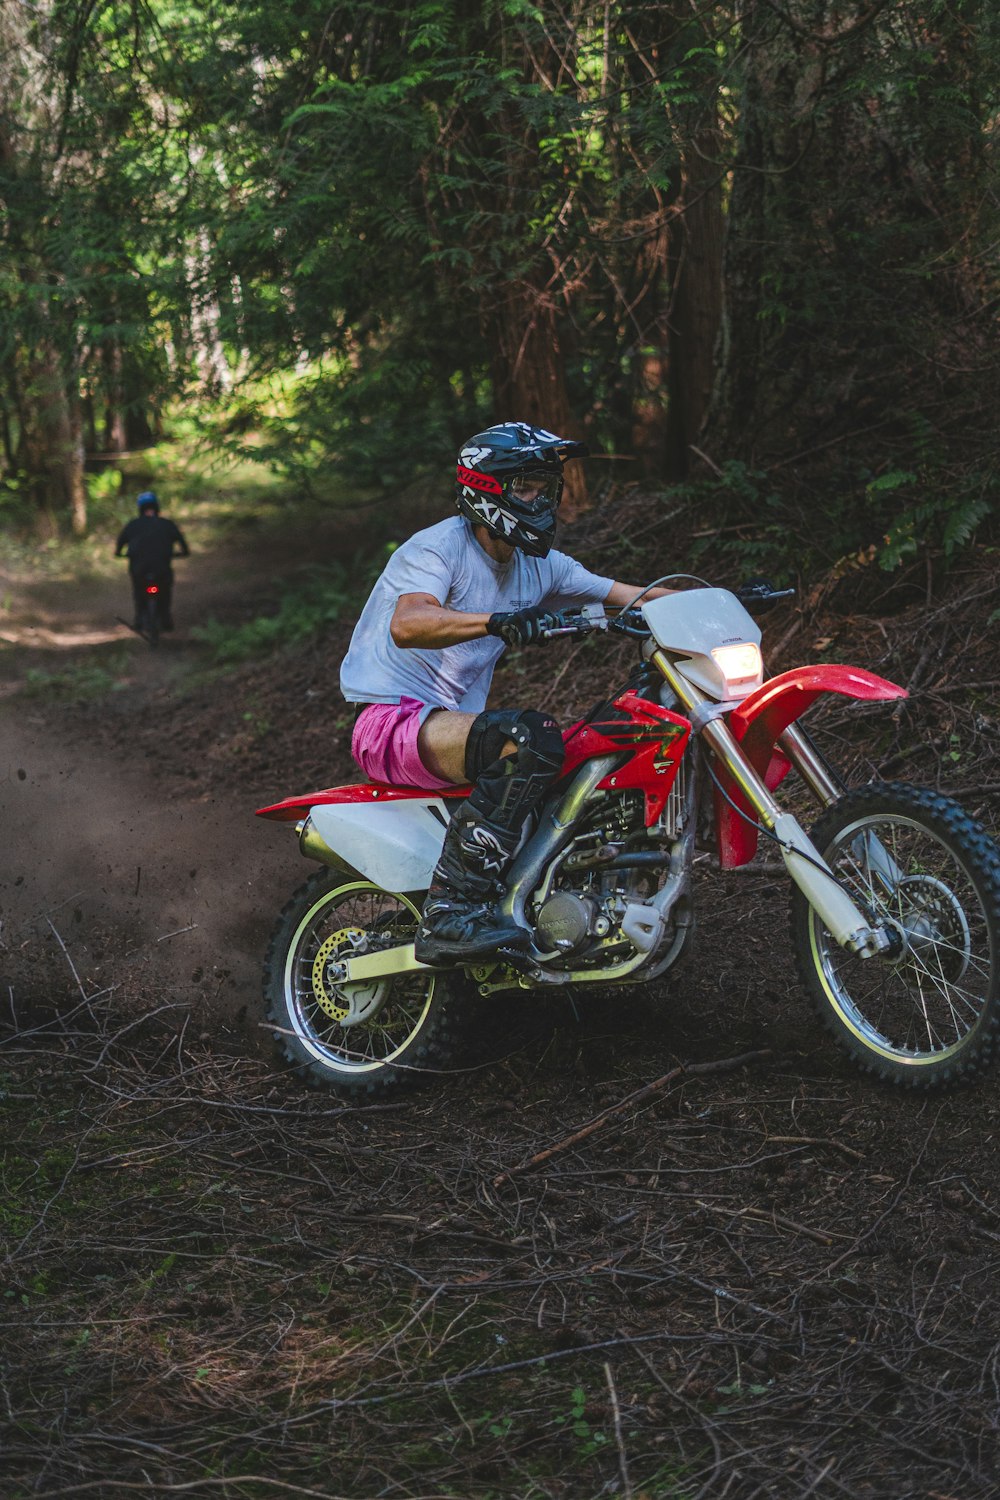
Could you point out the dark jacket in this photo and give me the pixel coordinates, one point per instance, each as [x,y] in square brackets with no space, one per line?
[149,541]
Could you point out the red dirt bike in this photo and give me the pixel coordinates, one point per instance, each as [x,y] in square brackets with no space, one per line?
[895,895]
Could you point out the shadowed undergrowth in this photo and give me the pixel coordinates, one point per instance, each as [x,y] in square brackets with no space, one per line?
[218,1282]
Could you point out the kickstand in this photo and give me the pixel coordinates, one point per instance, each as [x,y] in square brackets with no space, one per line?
[128,626]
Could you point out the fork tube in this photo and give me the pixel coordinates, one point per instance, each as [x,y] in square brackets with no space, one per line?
[821,779]
[720,737]
[803,860]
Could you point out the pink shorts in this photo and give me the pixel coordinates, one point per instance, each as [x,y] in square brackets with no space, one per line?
[384,744]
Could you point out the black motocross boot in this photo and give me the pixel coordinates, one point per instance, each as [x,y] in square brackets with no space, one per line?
[460,922]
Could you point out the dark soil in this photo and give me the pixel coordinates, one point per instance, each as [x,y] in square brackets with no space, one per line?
[775,1278]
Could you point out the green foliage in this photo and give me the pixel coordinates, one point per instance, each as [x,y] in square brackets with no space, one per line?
[940,522]
[83,680]
[753,523]
[942,508]
[748,524]
[315,602]
[105,487]
[590,1440]
[372,426]
[383,208]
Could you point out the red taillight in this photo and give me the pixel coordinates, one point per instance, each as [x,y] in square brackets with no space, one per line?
[151,588]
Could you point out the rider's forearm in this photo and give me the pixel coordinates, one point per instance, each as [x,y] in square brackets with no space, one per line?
[431,626]
[621,594]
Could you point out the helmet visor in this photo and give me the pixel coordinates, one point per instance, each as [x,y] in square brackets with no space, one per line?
[535,492]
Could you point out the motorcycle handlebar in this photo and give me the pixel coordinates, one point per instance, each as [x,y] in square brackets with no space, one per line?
[754,596]
[629,621]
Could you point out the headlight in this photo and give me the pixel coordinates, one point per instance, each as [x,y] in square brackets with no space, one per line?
[741,666]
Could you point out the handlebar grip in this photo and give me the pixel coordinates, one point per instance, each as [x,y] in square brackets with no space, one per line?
[584,628]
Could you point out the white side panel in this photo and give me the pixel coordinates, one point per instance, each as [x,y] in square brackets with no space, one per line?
[394,844]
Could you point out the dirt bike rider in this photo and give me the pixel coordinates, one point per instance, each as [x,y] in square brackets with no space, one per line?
[421,660]
[149,539]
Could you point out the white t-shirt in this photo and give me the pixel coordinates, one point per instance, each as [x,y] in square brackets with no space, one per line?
[447,562]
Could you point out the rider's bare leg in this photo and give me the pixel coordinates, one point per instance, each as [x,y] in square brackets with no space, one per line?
[442,740]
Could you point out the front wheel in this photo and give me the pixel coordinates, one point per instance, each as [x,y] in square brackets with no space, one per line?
[927,1012]
[361,1038]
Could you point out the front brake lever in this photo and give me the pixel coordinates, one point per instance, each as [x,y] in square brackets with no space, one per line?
[630,622]
[759,598]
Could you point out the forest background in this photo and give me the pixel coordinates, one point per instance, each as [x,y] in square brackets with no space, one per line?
[750,247]
[750,252]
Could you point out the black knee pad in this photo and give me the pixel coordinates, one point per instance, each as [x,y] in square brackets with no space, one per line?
[509,789]
[537,737]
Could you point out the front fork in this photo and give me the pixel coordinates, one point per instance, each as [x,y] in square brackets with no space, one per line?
[803,861]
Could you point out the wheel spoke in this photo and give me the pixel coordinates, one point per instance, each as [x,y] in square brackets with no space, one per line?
[928,996]
[358,1027]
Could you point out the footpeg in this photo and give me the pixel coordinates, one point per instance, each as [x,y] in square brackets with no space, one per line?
[528,966]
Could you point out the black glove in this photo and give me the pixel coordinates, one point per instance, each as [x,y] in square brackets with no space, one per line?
[523,627]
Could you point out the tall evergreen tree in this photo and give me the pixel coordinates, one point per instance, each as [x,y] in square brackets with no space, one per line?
[861,263]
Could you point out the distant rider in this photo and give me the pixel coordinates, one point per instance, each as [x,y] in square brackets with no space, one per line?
[421,660]
[149,539]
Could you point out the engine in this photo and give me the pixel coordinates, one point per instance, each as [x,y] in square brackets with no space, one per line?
[613,861]
[567,922]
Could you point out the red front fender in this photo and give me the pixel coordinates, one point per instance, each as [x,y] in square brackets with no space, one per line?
[757,723]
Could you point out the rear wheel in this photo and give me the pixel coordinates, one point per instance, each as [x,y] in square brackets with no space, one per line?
[926,1013]
[363,1038]
[151,621]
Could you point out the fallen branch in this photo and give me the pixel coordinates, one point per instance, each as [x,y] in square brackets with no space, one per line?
[190,928]
[814,1140]
[638,1096]
[768,1216]
[72,965]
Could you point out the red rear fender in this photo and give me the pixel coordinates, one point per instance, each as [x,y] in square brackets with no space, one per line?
[293,809]
[761,718]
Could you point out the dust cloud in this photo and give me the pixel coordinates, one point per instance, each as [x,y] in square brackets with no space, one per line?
[158,898]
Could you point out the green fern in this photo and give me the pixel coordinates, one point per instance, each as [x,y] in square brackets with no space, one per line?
[961,525]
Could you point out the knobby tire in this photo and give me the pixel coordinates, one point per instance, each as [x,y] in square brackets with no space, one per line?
[928,1014]
[407,1032]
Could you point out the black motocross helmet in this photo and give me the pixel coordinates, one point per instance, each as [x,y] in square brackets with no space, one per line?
[510,481]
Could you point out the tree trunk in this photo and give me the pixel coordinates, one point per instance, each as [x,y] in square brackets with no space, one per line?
[74,479]
[649,410]
[528,380]
[51,448]
[214,374]
[851,235]
[115,436]
[696,298]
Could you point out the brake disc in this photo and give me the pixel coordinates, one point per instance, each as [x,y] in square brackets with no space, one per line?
[347,1003]
[933,922]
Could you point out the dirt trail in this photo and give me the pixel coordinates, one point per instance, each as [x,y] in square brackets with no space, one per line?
[230,578]
[153,890]
[187,888]
[61,615]
[146,858]
[778,1279]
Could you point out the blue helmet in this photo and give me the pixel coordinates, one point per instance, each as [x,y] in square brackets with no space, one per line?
[148,501]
